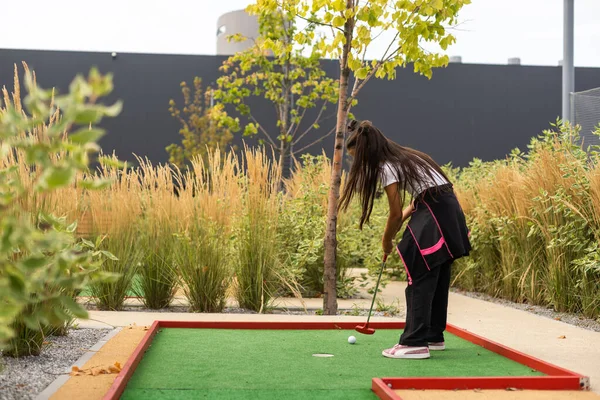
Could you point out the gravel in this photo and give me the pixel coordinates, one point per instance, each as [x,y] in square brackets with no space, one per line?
[571,319]
[25,377]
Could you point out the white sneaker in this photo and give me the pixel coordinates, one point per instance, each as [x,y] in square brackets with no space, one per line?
[437,346]
[411,352]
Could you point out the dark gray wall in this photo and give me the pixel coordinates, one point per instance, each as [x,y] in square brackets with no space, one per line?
[465,111]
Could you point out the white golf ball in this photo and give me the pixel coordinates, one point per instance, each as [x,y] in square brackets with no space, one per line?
[351,340]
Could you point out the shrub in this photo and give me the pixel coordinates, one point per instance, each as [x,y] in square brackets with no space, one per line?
[41,262]
[255,240]
[534,222]
[124,262]
[204,265]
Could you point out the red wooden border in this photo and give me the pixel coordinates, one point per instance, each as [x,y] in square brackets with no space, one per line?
[521,358]
[557,378]
[276,325]
[119,384]
[383,391]
[486,382]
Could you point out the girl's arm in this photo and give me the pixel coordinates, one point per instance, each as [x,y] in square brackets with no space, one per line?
[395,219]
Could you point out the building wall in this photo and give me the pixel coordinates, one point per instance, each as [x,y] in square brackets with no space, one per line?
[465,111]
[235,22]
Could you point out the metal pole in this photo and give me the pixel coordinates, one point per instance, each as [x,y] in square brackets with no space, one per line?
[568,71]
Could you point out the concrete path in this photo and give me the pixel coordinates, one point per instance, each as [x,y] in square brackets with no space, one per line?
[535,335]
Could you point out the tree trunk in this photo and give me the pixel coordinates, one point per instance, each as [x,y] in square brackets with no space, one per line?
[285,161]
[330,278]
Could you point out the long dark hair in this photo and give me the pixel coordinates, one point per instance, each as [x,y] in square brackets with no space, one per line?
[372,150]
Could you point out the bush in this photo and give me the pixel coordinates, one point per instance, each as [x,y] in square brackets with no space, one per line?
[255,241]
[535,223]
[124,262]
[302,229]
[41,262]
[204,265]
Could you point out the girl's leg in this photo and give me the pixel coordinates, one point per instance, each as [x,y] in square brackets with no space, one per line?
[439,305]
[419,299]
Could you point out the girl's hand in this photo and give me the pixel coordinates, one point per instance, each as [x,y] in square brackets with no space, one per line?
[388,246]
[407,212]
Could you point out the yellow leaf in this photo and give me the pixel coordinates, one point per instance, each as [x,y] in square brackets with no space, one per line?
[437,4]
[361,73]
[338,21]
[562,337]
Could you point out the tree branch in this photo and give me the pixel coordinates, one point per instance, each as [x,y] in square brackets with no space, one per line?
[311,21]
[311,125]
[316,141]
[384,59]
[297,125]
[263,131]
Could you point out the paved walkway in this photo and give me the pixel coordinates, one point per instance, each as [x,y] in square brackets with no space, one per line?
[535,335]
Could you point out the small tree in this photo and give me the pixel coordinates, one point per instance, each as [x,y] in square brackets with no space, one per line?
[41,262]
[292,81]
[354,26]
[200,132]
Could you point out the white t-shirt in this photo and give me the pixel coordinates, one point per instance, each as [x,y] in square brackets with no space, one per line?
[388,176]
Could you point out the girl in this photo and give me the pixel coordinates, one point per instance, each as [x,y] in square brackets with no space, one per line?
[436,234]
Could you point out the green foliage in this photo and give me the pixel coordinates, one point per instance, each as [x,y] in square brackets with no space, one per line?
[203,262]
[41,262]
[126,255]
[535,221]
[356,25]
[157,273]
[199,130]
[257,262]
[301,230]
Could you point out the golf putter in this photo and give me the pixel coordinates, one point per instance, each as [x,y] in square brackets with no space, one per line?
[364,329]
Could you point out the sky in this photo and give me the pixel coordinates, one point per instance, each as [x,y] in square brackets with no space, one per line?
[490,31]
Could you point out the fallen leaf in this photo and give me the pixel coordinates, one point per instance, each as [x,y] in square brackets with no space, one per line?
[477,390]
[75,369]
[562,337]
[113,370]
[118,365]
[46,343]
[146,328]
[557,318]
[95,372]
[511,389]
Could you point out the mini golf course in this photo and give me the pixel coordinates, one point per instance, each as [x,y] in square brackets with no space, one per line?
[227,360]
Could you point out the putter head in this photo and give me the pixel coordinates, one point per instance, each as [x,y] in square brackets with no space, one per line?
[365,330]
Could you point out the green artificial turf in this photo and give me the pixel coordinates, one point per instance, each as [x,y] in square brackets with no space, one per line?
[263,364]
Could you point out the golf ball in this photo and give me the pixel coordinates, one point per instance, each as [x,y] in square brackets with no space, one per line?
[351,340]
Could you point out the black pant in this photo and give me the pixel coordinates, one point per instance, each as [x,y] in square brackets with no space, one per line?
[427,307]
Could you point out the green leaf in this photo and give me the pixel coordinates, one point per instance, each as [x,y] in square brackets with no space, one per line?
[437,4]
[87,116]
[114,110]
[85,135]
[56,177]
[71,305]
[34,262]
[95,184]
[109,255]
